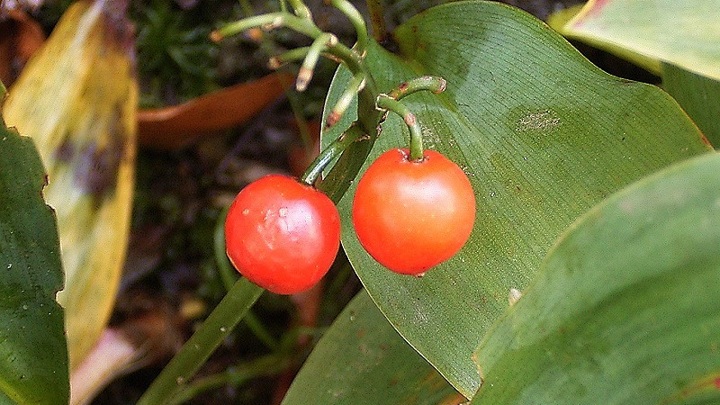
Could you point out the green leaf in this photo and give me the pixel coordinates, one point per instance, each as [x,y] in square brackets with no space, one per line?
[33,352]
[350,365]
[543,136]
[682,32]
[559,22]
[626,309]
[698,95]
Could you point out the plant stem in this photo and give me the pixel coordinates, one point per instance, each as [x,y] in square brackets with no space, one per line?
[292,55]
[268,21]
[356,19]
[267,365]
[352,59]
[229,277]
[386,102]
[200,346]
[311,58]
[227,274]
[434,84]
[301,10]
[330,153]
[355,86]
[377,20]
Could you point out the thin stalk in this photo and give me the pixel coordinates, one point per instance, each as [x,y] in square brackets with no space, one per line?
[357,83]
[268,21]
[351,58]
[434,84]
[357,21]
[377,20]
[236,376]
[202,343]
[302,123]
[307,68]
[301,10]
[385,102]
[330,153]
[277,61]
[229,277]
[227,274]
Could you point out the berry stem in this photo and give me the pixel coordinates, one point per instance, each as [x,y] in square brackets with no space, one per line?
[322,42]
[330,153]
[355,86]
[292,55]
[385,102]
[202,343]
[434,84]
[301,9]
[268,22]
[357,21]
[229,277]
[352,59]
[235,376]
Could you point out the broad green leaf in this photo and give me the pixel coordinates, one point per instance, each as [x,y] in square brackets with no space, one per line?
[33,352]
[682,32]
[543,136]
[626,309]
[559,19]
[698,95]
[349,365]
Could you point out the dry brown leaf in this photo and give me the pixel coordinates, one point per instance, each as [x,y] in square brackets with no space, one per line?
[20,37]
[177,126]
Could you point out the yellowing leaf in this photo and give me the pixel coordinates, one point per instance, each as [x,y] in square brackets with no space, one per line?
[77,98]
[682,32]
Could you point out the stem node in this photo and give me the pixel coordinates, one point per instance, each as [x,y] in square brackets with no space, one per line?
[330,153]
[386,102]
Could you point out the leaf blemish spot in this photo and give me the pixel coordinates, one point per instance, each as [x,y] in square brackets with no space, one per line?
[538,121]
[514,296]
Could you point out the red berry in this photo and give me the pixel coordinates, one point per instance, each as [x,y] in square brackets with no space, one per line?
[413,215]
[281,234]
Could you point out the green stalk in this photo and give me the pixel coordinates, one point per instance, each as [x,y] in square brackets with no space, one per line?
[386,102]
[200,346]
[311,58]
[268,21]
[357,21]
[292,55]
[227,274]
[301,10]
[352,59]
[330,153]
[229,277]
[236,376]
[434,84]
[355,86]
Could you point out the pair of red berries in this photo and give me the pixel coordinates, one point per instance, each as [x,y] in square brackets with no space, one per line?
[283,235]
